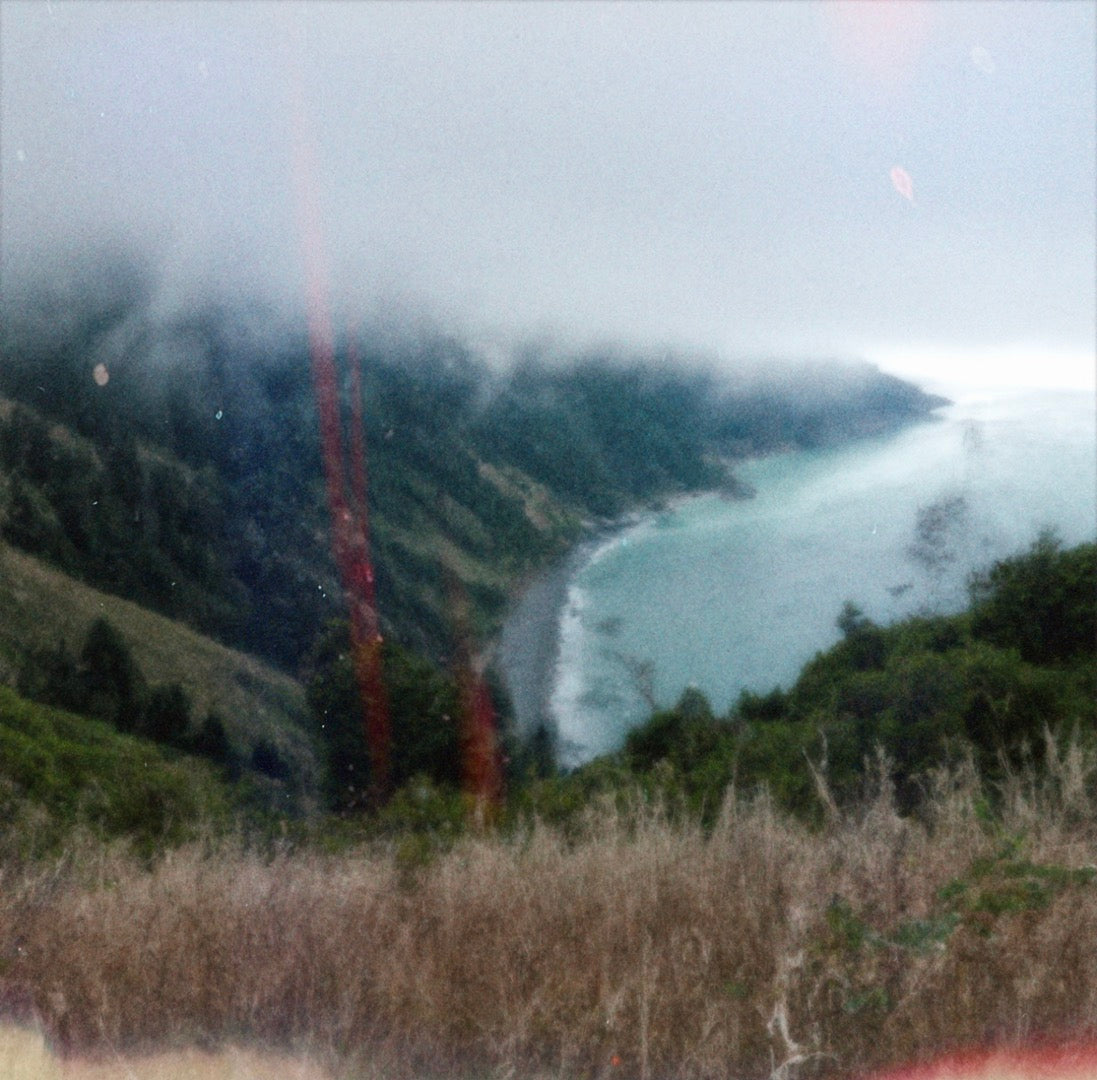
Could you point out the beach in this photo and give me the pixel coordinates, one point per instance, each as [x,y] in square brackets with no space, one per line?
[529,645]
[528,649]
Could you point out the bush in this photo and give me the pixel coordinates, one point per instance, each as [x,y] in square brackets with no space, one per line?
[71,772]
[211,741]
[52,677]
[114,688]
[1043,603]
[423,711]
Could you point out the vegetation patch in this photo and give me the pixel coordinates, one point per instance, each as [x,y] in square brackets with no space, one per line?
[636,944]
[61,773]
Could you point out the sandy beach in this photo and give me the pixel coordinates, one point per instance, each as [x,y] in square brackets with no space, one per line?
[529,646]
[528,650]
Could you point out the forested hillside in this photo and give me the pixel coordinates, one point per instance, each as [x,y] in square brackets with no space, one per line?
[175,462]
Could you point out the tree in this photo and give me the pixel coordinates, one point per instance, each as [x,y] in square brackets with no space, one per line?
[864,640]
[683,735]
[166,716]
[31,524]
[851,619]
[266,759]
[212,741]
[1043,603]
[113,686]
[52,676]
[423,708]
[25,443]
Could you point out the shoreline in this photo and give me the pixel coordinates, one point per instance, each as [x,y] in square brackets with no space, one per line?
[528,648]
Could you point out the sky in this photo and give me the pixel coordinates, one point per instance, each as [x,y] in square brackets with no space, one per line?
[913,183]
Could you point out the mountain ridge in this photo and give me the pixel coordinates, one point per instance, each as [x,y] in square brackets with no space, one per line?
[190,480]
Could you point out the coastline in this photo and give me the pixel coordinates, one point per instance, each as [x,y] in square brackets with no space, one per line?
[529,645]
[528,648]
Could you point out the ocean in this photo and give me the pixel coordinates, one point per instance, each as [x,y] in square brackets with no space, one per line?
[726,595]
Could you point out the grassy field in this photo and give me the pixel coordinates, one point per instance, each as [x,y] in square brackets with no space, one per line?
[39,605]
[642,947]
[63,775]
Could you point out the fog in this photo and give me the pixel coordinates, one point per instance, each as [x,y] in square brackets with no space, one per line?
[912,183]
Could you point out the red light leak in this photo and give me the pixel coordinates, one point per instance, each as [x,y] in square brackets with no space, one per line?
[350,548]
[349,522]
[1048,1063]
[482,767]
[356,568]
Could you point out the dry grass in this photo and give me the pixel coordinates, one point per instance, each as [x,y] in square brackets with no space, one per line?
[643,949]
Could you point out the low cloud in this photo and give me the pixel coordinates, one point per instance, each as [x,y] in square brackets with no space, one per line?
[694,178]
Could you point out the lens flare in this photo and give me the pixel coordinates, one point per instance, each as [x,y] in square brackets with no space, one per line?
[879,42]
[902,183]
[1051,1063]
[348,513]
[481,755]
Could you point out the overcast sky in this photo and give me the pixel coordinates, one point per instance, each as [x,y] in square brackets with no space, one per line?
[728,177]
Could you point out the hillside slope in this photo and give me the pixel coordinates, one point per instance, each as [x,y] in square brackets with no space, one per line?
[189,478]
[41,607]
[59,771]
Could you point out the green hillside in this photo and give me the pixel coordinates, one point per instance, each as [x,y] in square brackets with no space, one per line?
[190,480]
[60,772]
[40,607]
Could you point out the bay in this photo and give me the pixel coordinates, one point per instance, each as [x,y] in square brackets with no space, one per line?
[730,595]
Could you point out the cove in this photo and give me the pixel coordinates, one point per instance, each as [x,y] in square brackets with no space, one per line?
[729,595]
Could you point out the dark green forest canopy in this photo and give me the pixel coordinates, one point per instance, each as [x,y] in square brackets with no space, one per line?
[191,480]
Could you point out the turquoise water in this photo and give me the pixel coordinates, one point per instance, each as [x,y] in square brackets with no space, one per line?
[726,595]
